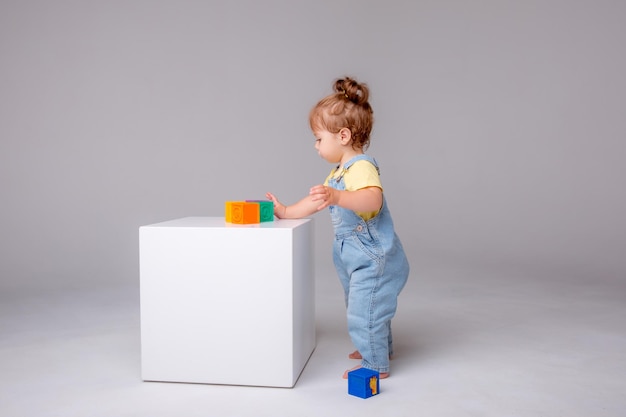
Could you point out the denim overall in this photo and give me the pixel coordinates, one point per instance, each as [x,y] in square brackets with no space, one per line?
[373,269]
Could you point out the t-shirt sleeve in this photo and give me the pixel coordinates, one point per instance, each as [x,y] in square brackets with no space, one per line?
[362,174]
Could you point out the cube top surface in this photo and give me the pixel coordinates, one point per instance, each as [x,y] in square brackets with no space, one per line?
[363,373]
[219,222]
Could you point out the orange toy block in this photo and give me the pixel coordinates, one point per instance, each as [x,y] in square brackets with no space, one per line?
[241,212]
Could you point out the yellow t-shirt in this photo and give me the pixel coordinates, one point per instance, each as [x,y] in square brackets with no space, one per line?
[360,174]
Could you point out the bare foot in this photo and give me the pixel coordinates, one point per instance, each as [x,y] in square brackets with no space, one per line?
[355,355]
[382,375]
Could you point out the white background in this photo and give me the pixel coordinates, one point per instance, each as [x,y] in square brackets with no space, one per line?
[500,132]
[499,125]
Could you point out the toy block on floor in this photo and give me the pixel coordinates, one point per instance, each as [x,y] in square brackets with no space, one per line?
[242,212]
[266,209]
[363,383]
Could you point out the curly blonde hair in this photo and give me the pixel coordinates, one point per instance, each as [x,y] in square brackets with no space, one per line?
[347,107]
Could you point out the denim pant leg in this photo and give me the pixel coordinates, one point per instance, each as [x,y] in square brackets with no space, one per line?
[372,303]
[396,272]
[368,304]
[389,340]
[342,270]
[344,279]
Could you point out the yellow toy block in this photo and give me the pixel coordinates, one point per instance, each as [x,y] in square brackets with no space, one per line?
[242,212]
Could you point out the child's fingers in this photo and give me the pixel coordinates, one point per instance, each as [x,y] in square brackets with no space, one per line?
[319,192]
[318,197]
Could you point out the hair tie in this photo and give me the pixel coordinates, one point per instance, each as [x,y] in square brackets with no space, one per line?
[342,91]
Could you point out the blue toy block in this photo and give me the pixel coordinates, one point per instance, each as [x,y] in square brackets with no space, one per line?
[363,383]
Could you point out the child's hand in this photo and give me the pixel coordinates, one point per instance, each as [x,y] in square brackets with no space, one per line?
[279,208]
[327,195]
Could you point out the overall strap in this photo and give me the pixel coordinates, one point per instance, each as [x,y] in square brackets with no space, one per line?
[360,158]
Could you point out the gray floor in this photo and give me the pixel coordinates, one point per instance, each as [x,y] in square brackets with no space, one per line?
[468,343]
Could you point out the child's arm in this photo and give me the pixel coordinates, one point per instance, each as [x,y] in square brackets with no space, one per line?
[303,208]
[320,196]
[363,200]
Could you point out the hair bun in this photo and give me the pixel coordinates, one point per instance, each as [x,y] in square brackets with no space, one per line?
[352,90]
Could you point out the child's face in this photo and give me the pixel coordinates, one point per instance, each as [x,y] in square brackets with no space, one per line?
[329,145]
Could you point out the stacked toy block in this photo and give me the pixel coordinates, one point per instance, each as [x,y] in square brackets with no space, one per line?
[363,383]
[249,211]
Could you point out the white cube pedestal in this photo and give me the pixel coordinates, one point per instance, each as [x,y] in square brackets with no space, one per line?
[226,304]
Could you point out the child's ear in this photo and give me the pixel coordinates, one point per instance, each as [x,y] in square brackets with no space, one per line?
[345,135]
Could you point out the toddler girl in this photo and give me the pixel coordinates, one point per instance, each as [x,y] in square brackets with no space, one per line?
[367,253]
